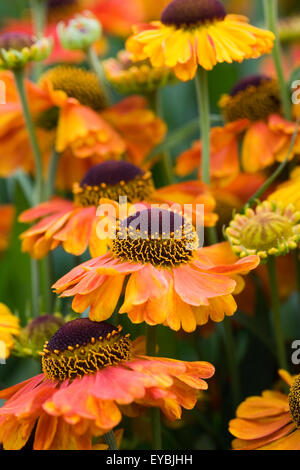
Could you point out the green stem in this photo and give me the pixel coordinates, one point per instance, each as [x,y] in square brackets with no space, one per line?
[151,342]
[49,297]
[165,163]
[35,288]
[271,15]
[276,314]
[109,439]
[278,170]
[97,67]
[50,185]
[232,361]
[180,135]
[39,16]
[19,79]
[201,81]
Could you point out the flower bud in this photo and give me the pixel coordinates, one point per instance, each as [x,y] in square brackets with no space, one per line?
[18,49]
[36,333]
[80,32]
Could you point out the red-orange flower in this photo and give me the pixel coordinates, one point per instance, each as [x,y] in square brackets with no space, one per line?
[169,280]
[73,224]
[74,400]
[269,421]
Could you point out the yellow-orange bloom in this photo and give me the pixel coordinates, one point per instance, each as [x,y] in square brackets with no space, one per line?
[269,421]
[195,33]
[169,280]
[9,327]
[92,373]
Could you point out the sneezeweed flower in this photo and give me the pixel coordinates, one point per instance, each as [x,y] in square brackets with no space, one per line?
[73,113]
[195,33]
[73,224]
[129,77]
[7,214]
[80,32]
[169,280]
[267,230]
[88,127]
[254,122]
[270,421]
[18,49]
[90,372]
[33,336]
[9,328]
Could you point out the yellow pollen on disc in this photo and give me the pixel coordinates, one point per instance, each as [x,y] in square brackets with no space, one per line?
[267,230]
[294,401]
[138,189]
[254,103]
[93,354]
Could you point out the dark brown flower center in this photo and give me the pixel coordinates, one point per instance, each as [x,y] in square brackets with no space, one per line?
[254,98]
[192,12]
[156,236]
[83,347]
[113,179]
[60,3]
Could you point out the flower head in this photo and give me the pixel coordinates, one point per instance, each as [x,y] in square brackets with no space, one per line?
[9,327]
[129,77]
[269,421]
[197,32]
[169,280]
[73,224]
[17,49]
[90,372]
[253,98]
[268,230]
[254,132]
[80,32]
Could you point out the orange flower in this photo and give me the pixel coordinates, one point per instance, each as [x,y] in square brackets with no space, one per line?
[269,421]
[74,400]
[224,154]
[73,224]
[91,134]
[7,214]
[253,115]
[169,280]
